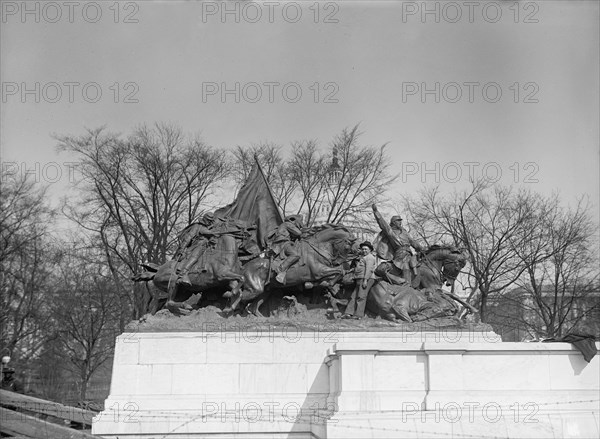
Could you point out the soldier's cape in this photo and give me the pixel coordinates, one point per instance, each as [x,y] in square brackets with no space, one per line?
[255,205]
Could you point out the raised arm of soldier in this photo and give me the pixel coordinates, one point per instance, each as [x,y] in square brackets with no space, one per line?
[396,234]
[386,229]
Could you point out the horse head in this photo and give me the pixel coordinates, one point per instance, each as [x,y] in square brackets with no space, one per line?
[344,248]
[340,240]
[450,259]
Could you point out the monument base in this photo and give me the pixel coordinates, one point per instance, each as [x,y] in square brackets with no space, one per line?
[285,381]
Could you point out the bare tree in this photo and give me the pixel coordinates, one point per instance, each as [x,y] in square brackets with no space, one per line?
[140,191]
[23,213]
[334,186]
[484,221]
[85,313]
[311,173]
[559,287]
[26,264]
[361,175]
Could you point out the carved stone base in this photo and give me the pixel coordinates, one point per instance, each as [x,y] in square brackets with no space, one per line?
[252,381]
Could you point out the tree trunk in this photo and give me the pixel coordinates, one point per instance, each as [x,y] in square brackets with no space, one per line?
[83,389]
[483,306]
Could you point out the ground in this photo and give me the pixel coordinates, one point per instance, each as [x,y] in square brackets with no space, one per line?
[302,315]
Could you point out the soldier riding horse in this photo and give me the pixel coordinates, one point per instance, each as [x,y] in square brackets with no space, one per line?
[413,288]
[321,259]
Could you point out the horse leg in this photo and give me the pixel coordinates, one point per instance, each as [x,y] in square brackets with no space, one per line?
[333,309]
[234,295]
[332,289]
[255,307]
[234,301]
[257,304]
[234,287]
[177,308]
[158,302]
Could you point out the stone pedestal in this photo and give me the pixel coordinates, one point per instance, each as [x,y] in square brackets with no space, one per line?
[267,381]
[437,389]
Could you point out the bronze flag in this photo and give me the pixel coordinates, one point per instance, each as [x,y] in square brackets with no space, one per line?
[255,205]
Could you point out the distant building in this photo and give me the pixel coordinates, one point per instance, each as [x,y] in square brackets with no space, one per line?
[516,317]
[324,206]
[334,175]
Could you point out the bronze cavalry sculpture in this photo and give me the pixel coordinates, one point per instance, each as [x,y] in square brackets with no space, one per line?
[244,251]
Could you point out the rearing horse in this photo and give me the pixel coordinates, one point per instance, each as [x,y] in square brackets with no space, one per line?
[322,256]
[217,267]
[391,298]
[439,264]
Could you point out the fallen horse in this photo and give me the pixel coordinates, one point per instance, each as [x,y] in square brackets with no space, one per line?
[402,302]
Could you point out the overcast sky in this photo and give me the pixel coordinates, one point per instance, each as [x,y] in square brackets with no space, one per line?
[361,62]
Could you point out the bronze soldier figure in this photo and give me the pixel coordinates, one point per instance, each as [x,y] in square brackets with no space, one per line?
[400,242]
[283,244]
[194,242]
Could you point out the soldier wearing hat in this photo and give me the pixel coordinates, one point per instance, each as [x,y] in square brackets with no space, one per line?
[400,243]
[283,244]
[364,277]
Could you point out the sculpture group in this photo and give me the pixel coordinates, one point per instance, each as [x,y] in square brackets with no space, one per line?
[242,261]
